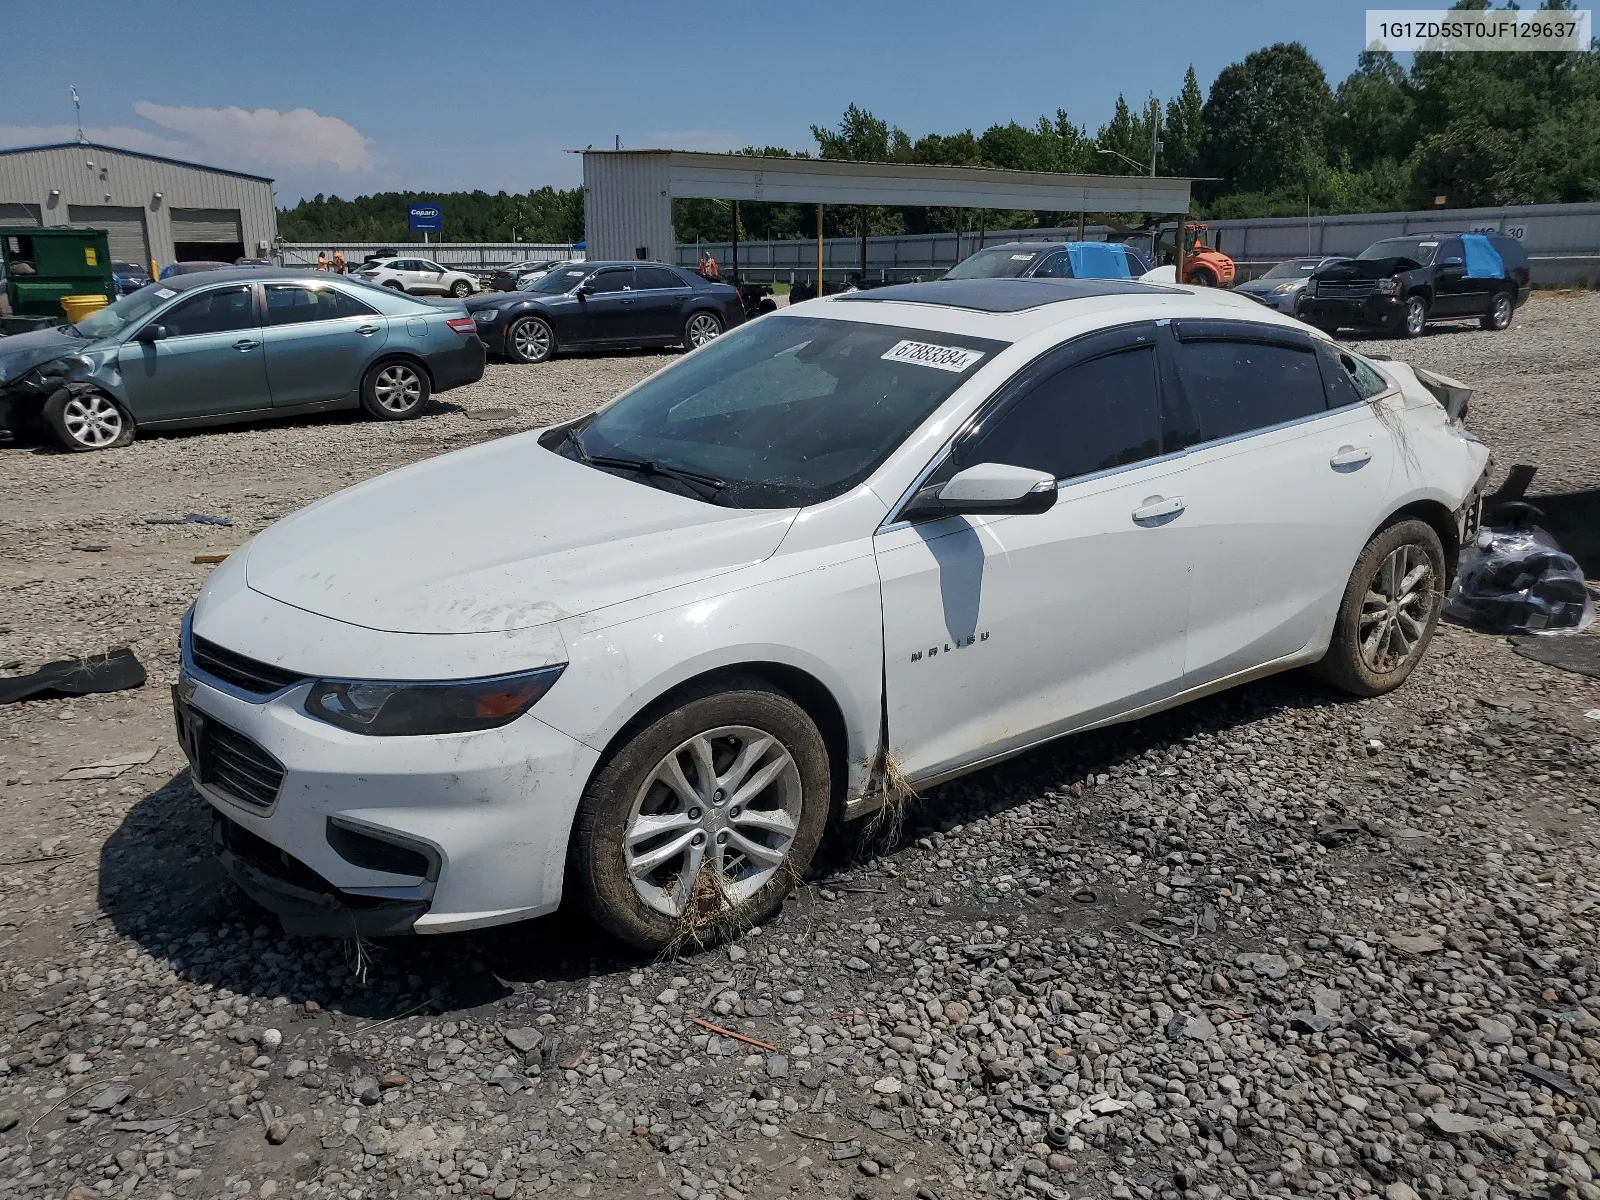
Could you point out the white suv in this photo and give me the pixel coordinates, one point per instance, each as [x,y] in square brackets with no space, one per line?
[863,544]
[418,276]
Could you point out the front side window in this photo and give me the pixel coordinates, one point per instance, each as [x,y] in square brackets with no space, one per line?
[788,411]
[221,310]
[619,280]
[1090,417]
[1236,387]
[1057,266]
[1002,262]
[559,281]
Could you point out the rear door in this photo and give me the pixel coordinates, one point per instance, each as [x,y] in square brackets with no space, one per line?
[318,340]
[1283,491]
[1001,631]
[659,296]
[210,362]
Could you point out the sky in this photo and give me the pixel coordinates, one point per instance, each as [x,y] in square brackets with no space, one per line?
[348,97]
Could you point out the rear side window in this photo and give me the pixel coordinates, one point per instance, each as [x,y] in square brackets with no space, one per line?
[291,304]
[1236,387]
[656,277]
[1089,417]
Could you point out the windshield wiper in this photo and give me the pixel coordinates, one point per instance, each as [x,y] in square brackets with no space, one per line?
[704,486]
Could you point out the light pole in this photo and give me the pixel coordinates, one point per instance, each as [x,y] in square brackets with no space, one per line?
[1134,163]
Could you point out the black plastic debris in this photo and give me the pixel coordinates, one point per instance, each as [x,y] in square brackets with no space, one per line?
[190,519]
[1580,655]
[1515,579]
[114,671]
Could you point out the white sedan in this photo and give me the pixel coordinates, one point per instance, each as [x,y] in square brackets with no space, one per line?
[419,276]
[866,543]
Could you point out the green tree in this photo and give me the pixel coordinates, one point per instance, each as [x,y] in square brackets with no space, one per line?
[1374,113]
[1263,116]
[1180,139]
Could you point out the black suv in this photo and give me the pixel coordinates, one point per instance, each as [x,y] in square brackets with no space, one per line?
[1400,284]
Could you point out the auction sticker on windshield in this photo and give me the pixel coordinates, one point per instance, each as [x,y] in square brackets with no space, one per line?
[927,354]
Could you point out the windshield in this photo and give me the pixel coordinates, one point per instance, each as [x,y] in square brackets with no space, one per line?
[787,411]
[1003,262]
[1418,250]
[557,282]
[119,314]
[1295,268]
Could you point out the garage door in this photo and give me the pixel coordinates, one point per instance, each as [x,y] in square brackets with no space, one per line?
[19,214]
[124,227]
[220,225]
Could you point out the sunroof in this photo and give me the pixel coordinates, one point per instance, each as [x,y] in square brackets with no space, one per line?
[1002,295]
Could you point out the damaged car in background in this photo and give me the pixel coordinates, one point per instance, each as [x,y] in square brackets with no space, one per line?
[237,345]
[856,548]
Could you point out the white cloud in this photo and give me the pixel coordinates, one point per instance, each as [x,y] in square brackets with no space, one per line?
[265,136]
[124,136]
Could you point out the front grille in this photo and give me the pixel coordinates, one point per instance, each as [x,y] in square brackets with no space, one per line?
[1345,289]
[234,764]
[246,674]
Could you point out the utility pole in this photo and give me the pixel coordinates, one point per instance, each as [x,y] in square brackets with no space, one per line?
[77,107]
[1155,133]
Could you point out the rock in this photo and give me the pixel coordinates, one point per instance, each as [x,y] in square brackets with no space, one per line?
[278,1132]
[526,1041]
[956,1012]
[670,995]
[887,1086]
[1196,1026]
[857,964]
[1399,1191]
[1415,943]
[1450,1122]
[296,1068]
[1269,966]
[8,1119]
[366,1090]
[270,1040]
[777,1066]
[108,1099]
[792,996]
[1496,1033]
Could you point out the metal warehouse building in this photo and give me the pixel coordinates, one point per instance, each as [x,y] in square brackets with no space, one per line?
[152,207]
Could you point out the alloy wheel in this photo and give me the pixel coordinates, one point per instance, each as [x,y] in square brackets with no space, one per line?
[92,420]
[1501,315]
[1396,609]
[727,800]
[531,340]
[1416,317]
[398,388]
[703,327]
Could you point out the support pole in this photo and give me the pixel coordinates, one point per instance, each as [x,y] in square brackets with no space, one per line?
[864,244]
[1080,224]
[1181,241]
[735,263]
[819,251]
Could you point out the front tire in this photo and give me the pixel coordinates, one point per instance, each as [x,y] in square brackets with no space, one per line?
[396,390]
[1499,315]
[700,328]
[530,340]
[82,421]
[1389,612]
[698,827]
[461,289]
[1414,319]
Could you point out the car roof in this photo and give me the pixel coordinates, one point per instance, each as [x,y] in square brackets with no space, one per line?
[1062,307]
[194,279]
[1001,295]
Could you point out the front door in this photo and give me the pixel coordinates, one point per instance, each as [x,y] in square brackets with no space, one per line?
[318,339]
[1455,293]
[605,310]
[1002,631]
[1284,488]
[210,361]
[431,277]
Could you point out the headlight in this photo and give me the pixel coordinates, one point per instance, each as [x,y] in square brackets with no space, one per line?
[1283,289]
[455,706]
[484,315]
[1388,287]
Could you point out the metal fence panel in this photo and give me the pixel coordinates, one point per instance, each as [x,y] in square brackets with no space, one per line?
[474,256]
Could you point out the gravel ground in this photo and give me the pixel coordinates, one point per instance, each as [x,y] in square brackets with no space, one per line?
[1274,943]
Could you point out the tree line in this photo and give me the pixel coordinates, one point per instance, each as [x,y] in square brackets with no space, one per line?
[1272,137]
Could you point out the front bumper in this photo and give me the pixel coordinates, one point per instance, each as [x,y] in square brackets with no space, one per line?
[456,367]
[381,835]
[1371,312]
[1284,304]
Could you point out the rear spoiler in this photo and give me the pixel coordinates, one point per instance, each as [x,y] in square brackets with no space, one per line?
[1452,394]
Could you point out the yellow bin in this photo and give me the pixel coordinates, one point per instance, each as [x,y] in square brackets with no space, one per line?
[79,307]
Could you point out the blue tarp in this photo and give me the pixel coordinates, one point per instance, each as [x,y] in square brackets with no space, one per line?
[1099,260]
[1483,260]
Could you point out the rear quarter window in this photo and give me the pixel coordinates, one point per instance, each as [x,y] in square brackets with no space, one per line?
[1510,251]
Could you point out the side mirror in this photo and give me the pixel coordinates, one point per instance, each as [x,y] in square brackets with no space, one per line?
[1453,267]
[985,488]
[151,333]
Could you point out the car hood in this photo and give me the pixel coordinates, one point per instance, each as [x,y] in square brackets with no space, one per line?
[499,537]
[1264,287]
[1366,268]
[22,352]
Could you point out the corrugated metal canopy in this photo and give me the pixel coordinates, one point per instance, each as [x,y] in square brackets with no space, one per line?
[835,181]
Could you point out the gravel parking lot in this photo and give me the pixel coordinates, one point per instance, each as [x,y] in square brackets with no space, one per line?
[1274,943]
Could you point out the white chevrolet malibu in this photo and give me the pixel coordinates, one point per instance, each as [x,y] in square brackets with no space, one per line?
[873,541]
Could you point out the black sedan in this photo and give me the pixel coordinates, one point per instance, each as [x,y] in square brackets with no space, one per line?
[605,305]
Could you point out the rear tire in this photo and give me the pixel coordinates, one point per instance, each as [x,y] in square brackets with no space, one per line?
[634,856]
[1389,612]
[530,340]
[85,421]
[1414,319]
[700,328]
[1499,315]
[395,284]
[395,390]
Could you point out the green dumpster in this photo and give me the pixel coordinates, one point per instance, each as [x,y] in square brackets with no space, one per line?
[44,264]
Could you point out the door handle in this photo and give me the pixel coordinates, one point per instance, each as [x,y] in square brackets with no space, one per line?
[1350,456]
[1155,507]
[245,344]
[366,330]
